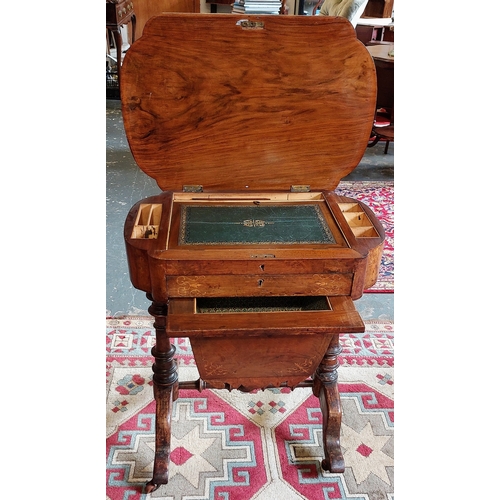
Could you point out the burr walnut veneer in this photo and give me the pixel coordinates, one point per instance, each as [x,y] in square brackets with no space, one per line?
[248,127]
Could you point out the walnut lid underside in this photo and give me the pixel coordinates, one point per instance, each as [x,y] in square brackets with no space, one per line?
[247,103]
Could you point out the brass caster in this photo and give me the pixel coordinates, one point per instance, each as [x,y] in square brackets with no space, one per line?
[150,487]
[336,467]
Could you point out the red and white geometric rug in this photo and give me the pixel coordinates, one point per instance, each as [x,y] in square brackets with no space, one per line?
[379,196]
[262,445]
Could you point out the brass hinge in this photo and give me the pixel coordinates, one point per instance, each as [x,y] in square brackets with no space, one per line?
[192,189]
[301,188]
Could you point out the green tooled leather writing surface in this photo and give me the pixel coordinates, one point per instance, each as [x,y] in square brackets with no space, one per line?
[255,224]
[213,305]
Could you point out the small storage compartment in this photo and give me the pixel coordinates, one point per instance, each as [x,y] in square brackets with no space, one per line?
[147,223]
[358,221]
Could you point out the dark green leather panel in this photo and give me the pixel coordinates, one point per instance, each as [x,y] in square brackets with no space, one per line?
[254,224]
[260,304]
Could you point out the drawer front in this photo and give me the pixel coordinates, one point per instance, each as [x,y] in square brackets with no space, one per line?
[124,10]
[258,285]
[339,316]
[117,13]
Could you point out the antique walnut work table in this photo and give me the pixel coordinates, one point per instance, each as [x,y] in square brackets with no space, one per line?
[247,128]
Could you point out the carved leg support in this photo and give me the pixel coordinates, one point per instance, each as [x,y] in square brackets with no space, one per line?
[325,388]
[166,391]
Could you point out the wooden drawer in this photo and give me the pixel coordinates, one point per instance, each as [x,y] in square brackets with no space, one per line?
[117,13]
[285,337]
[259,285]
[304,317]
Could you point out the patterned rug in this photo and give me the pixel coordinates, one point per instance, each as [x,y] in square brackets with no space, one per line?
[262,445]
[379,196]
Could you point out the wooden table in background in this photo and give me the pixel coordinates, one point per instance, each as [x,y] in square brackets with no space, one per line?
[381,52]
[384,65]
[118,14]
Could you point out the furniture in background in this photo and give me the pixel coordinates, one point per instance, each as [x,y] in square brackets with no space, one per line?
[375,25]
[374,31]
[379,8]
[214,3]
[145,9]
[119,13]
[383,127]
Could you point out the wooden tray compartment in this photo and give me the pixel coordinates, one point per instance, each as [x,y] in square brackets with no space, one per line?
[358,221]
[147,223]
[259,316]
[330,236]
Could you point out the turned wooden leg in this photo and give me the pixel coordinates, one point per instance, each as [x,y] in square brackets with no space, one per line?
[134,22]
[325,388]
[118,44]
[166,391]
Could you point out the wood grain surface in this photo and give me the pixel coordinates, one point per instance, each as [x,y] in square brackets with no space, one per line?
[209,101]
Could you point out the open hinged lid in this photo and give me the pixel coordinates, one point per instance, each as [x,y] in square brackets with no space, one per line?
[247,103]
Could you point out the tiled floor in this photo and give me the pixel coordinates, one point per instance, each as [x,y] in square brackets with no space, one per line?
[126,184]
